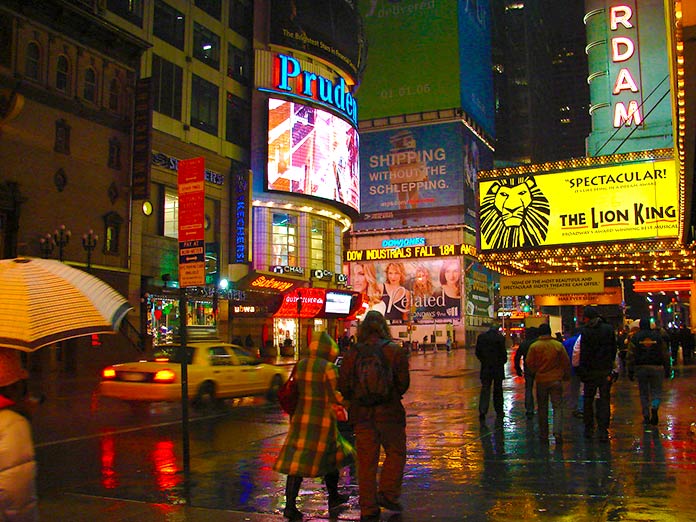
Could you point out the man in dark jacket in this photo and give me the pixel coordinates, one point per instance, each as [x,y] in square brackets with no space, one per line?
[649,360]
[530,335]
[491,352]
[597,355]
[378,426]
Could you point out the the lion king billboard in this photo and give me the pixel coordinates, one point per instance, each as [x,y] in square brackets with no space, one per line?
[619,202]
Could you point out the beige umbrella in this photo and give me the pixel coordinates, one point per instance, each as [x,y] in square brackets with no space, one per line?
[43,301]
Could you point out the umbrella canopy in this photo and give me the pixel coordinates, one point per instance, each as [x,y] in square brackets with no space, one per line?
[43,301]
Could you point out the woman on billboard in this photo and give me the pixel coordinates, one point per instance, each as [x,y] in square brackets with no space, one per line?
[364,280]
[396,298]
[451,288]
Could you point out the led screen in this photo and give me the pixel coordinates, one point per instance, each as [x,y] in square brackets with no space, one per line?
[312,152]
[338,303]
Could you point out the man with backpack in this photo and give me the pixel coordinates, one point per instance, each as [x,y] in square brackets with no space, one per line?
[373,377]
[648,359]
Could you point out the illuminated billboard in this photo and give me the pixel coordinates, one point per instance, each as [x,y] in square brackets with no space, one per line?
[420,168]
[442,60]
[621,202]
[312,152]
[329,29]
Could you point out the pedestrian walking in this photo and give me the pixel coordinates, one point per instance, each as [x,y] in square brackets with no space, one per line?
[575,400]
[18,501]
[314,446]
[649,361]
[596,370]
[491,352]
[530,335]
[547,360]
[373,378]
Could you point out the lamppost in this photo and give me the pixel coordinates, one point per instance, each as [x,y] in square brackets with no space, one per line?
[61,237]
[299,321]
[89,243]
[46,245]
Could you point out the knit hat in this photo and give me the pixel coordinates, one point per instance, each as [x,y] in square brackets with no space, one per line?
[11,369]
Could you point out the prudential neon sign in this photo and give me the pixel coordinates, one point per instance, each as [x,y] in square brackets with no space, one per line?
[289,77]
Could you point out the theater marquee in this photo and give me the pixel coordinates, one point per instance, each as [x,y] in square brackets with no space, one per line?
[621,202]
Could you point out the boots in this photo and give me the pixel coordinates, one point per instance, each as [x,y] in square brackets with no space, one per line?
[292,488]
[335,498]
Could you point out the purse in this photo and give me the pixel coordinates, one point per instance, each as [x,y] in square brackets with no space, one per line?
[288,394]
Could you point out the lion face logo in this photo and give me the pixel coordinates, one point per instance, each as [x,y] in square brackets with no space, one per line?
[514,214]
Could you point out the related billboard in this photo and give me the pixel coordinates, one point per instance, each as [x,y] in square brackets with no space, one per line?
[313,152]
[329,29]
[418,168]
[442,60]
[629,201]
[412,291]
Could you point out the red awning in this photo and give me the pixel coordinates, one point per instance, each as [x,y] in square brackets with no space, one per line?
[312,303]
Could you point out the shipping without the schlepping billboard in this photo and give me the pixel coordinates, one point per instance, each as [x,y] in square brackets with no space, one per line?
[417,168]
[442,60]
[621,202]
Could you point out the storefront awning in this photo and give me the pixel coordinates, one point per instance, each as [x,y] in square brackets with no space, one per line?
[319,302]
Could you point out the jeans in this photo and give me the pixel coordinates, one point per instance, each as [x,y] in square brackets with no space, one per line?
[370,437]
[649,387]
[529,393]
[602,413]
[574,401]
[554,391]
[491,377]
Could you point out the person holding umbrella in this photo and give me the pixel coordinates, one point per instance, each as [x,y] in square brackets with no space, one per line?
[18,501]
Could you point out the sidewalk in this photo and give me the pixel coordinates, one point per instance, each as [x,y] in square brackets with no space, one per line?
[459,469]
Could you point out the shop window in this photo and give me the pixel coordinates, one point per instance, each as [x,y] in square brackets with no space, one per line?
[206,46]
[114,95]
[62,82]
[284,239]
[318,241]
[237,121]
[167,79]
[32,61]
[171,213]
[240,19]
[169,24]
[89,91]
[112,231]
[238,66]
[212,7]
[204,105]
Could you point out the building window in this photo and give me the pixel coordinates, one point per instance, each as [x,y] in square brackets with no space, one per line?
[114,154]
[169,25]
[62,74]
[112,231]
[171,213]
[131,10]
[238,64]
[237,121]
[114,95]
[62,142]
[318,241]
[204,105]
[206,46]
[167,80]
[89,91]
[284,240]
[241,17]
[32,61]
[212,7]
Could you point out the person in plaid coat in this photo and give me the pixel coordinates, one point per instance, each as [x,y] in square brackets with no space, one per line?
[313,446]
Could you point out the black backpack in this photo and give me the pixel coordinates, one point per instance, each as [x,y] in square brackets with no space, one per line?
[373,377]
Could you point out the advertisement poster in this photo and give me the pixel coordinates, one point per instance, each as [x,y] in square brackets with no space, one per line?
[631,201]
[431,166]
[480,285]
[312,152]
[416,291]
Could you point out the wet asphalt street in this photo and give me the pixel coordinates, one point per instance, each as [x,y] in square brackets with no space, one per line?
[457,469]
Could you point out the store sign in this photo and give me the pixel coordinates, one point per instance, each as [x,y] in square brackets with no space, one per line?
[546,284]
[341,279]
[241,197]
[191,222]
[623,202]
[142,139]
[411,252]
[286,269]
[290,78]
[610,296]
[624,68]
[270,283]
[403,242]
[322,274]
